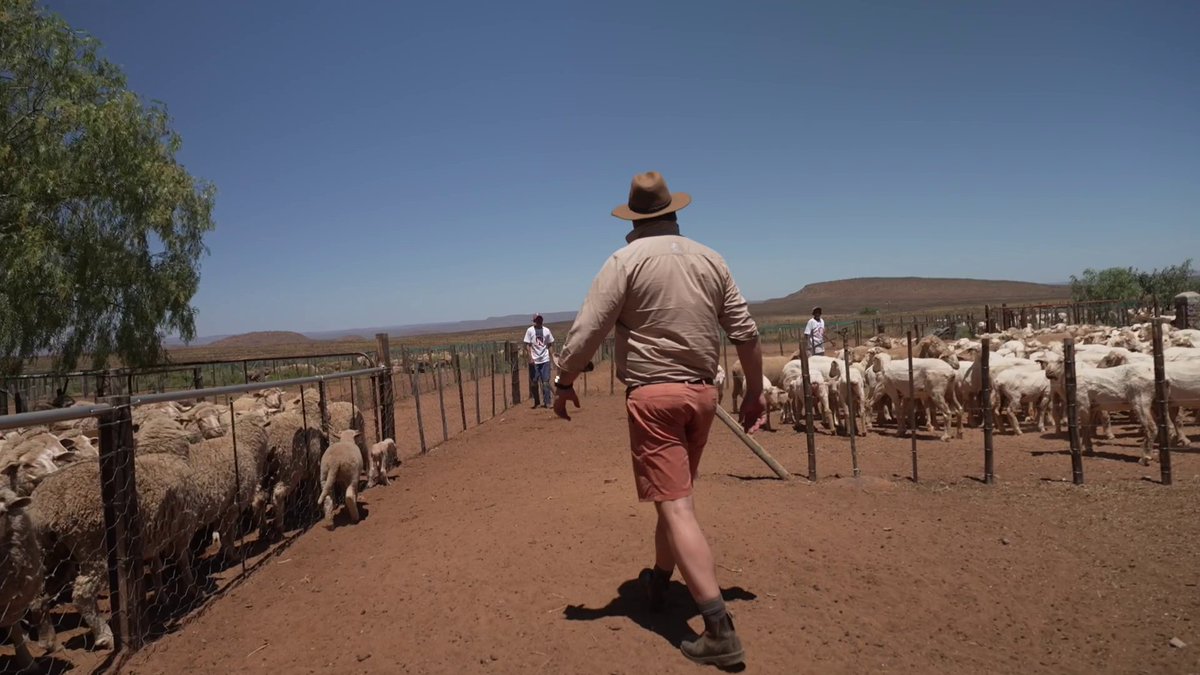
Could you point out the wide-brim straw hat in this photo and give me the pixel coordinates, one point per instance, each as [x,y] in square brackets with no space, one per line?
[650,198]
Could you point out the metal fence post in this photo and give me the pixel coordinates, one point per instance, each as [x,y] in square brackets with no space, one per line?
[416,390]
[122,522]
[511,352]
[912,410]
[477,374]
[985,400]
[1072,410]
[1160,404]
[437,377]
[492,365]
[462,400]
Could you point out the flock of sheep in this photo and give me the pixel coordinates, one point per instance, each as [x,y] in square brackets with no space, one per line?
[193,487]
[1114,373]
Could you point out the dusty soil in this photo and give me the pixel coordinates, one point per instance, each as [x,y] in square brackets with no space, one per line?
[512,548]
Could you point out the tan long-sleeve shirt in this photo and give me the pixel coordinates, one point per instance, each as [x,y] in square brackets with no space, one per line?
[668,297]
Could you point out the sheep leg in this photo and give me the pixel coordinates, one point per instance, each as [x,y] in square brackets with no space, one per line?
[16,635]
[1012,417]
[352,501]
[1180,437]
[84,592]
[1106,422]
[1042,412]
[940,406]
[39,613]
[1146,420]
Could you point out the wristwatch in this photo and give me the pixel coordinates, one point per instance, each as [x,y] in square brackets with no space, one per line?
[559,385]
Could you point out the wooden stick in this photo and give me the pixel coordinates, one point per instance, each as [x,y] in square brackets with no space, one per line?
[753,444]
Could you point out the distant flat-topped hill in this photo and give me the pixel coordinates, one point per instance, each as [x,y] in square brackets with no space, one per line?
[903,294]
[266,338]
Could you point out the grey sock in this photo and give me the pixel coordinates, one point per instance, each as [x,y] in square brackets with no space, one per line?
[714,614]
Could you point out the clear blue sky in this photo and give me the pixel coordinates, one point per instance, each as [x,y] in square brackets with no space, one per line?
[387,163]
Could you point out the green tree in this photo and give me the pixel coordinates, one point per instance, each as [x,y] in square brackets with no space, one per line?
[1128,283]
[1163,285]
[101,228]
[1114,283]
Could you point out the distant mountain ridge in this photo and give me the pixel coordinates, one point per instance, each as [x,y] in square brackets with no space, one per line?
[905,294]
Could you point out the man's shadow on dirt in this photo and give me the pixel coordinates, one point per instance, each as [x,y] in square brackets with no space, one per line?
[671,623]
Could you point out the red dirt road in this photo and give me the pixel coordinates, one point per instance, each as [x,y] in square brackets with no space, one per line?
[511,549]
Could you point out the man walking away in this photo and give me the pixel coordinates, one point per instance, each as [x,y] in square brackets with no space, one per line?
[814,331]
[538,340]
[666,296]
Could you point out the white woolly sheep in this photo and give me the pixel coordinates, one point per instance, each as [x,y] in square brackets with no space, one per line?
[340,466]
[294,459]
[21,570]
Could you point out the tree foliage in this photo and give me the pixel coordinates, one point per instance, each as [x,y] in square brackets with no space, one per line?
[101,228]
[1128,283]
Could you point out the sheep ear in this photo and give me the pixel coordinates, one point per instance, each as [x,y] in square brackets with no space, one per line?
[19,503]
[10,469]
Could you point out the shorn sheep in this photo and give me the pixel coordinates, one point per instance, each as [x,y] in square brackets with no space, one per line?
[20,570]
[340,466]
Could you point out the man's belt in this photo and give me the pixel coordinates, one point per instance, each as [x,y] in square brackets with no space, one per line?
[703,380]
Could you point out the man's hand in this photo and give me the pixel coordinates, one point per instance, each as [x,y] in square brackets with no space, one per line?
[561,396]
[753,412]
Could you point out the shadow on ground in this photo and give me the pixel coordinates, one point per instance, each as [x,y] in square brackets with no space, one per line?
[671,623]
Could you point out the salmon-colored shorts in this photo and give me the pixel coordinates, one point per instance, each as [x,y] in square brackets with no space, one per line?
[668,429]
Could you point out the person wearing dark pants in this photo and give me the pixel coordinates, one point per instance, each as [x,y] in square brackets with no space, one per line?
[538,340]
[666,295]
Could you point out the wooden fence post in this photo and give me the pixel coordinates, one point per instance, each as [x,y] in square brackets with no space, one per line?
[1072,410]
[122,522]
[810,438]
[1160,403]
[386,412]
[850,427]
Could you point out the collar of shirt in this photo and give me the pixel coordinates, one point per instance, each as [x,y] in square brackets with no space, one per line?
[655,228]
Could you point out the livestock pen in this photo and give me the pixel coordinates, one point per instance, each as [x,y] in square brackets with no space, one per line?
[418,401]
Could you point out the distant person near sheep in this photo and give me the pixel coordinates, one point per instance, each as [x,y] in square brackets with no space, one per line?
[538,339]
[815,333]
[666,295]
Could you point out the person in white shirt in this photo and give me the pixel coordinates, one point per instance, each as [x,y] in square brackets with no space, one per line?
[815,333]
[538,340]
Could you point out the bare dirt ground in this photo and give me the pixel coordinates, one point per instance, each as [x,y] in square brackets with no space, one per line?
[512,549]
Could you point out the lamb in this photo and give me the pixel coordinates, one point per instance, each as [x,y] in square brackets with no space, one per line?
[380,456]
[1128,387]
[21,571]
[719,383]
[340,466]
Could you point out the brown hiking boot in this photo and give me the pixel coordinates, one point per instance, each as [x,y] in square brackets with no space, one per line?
[722,648]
